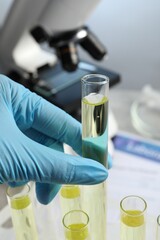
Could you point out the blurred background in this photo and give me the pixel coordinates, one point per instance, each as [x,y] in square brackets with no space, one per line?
[130,30]
[131,33]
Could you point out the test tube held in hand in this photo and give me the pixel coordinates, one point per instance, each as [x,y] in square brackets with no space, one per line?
[95,91]
[22,212]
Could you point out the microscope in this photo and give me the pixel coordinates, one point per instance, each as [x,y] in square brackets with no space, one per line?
[39,48]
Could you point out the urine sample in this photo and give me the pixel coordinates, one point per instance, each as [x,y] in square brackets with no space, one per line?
[76,225]
[22,213]
[133,218]
[70,198]
[94,203]
[95,90]
[158,228]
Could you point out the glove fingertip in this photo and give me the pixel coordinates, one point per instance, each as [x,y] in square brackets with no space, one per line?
[46,192]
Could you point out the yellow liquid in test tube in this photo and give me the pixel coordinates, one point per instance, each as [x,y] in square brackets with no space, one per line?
[132,225]
[70,198]
[77,232]
[95,146]
[95,120]
[23,219]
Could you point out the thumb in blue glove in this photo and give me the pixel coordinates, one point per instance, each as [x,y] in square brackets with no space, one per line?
[29,124]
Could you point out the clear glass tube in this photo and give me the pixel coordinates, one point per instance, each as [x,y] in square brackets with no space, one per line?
[158,228]
[70,198]
[95,90]
[76,225]
[133,218]
[22,213]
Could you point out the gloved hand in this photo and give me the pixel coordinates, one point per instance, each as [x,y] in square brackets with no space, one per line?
[28,125]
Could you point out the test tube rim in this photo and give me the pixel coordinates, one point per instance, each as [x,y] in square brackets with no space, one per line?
[158,218]
[25,194]
[85,78]
[75,230]
[135,196]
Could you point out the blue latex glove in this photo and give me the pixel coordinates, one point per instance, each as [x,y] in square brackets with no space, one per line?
[28,125]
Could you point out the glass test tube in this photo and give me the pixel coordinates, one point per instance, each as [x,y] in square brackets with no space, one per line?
[95,89]
[158,228]
[133,218]
[76,225]
[70,198]
[22,213]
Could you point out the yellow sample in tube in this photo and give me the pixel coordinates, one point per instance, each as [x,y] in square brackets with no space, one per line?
[133,218]
[95,89]
[77,231]
[70,198]
[133,225]
[94,120]
[94,146]
[94,204]
[22,214]
[76,225]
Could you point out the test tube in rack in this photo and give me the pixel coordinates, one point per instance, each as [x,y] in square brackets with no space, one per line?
[22,212]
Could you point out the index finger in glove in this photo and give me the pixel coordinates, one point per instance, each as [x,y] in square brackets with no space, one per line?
[31,110]
[47,191]
[39,163]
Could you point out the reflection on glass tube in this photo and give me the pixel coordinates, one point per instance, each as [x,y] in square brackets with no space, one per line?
[133,219]
[22,213]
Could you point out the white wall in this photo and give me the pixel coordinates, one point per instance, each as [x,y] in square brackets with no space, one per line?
[4,9]
[130,30]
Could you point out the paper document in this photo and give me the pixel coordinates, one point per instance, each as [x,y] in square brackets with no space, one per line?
[135,171]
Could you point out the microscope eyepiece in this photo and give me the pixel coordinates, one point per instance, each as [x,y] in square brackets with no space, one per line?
[68,56]
[65,44]
[93,46]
